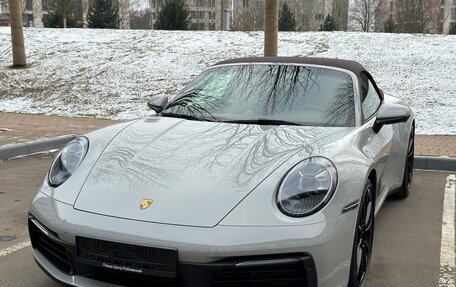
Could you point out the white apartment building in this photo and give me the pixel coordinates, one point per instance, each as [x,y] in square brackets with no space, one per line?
[33,12]
[435,16]
[205,14]
[247,15]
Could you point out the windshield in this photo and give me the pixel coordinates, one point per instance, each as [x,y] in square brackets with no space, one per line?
[268,94]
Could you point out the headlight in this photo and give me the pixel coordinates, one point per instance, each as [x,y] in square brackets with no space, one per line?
[67,161]
[307,187]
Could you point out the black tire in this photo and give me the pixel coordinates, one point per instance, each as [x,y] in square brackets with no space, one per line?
[364,238]
[404,191]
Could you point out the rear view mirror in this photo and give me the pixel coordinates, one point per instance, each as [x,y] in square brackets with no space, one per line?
[158,102]
[390,113]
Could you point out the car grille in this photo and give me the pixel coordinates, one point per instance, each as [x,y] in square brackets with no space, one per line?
[289,275]
[123,257]
[87,257]
[51,249]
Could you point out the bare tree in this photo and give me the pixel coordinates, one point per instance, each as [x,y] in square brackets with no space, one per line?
[66,6]
[63,8]
[5,9]
[26,5]
[140,19]
[305,15]
[124,13]
[62,14]
[17,34]
[218,16]
[251,17]
[417,16]
[257,14]
[340,14]
[139,5]
[363,14]
[247,20]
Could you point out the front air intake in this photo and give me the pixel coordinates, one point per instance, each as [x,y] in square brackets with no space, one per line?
[43,241]
[284,275]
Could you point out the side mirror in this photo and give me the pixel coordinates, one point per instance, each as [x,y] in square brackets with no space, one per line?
[158,102]
[390,113]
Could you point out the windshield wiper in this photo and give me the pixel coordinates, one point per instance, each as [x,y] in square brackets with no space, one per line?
[187,117]
[264,122]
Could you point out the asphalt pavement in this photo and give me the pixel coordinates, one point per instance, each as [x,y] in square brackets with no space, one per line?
[19,180]
[406,246]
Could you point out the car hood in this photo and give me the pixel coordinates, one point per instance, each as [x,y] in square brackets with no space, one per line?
[194,173]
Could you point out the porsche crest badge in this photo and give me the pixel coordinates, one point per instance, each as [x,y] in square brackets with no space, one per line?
[145,203]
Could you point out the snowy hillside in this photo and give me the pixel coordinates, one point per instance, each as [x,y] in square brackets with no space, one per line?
[110,73]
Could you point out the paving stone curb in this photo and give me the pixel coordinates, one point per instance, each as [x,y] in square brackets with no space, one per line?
[443,163]
[14,150]
[6,152]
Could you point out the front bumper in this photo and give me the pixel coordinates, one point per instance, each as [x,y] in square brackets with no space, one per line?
[320,253]
[283,270]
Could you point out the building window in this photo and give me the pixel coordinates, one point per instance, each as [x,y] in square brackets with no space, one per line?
[453,13]
[442,13]
[442,2]
[454,2]
[29,5]
[319,17]
[27,20]
[46,4]
[212,3]
[198,3]
[245,3]
[391,6]
[197,14]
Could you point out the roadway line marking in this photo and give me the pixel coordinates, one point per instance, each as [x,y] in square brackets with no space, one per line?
[447,244]
[14,248]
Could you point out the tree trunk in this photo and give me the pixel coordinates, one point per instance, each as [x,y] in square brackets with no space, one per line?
[271,27]
[64,14]
[17,35]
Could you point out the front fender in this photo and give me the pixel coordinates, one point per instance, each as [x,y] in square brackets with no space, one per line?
[353,167]
[98,141]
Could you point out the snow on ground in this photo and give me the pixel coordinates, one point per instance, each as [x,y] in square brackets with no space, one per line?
[110,73]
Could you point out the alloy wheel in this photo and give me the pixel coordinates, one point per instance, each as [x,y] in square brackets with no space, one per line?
[410,161]
[405,189]
[364,238]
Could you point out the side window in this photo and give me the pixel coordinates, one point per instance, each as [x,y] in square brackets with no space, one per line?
[370,102]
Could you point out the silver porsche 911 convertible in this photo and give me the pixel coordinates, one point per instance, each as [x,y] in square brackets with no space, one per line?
[260,172]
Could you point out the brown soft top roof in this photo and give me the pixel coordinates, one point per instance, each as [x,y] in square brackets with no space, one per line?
[353,66]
